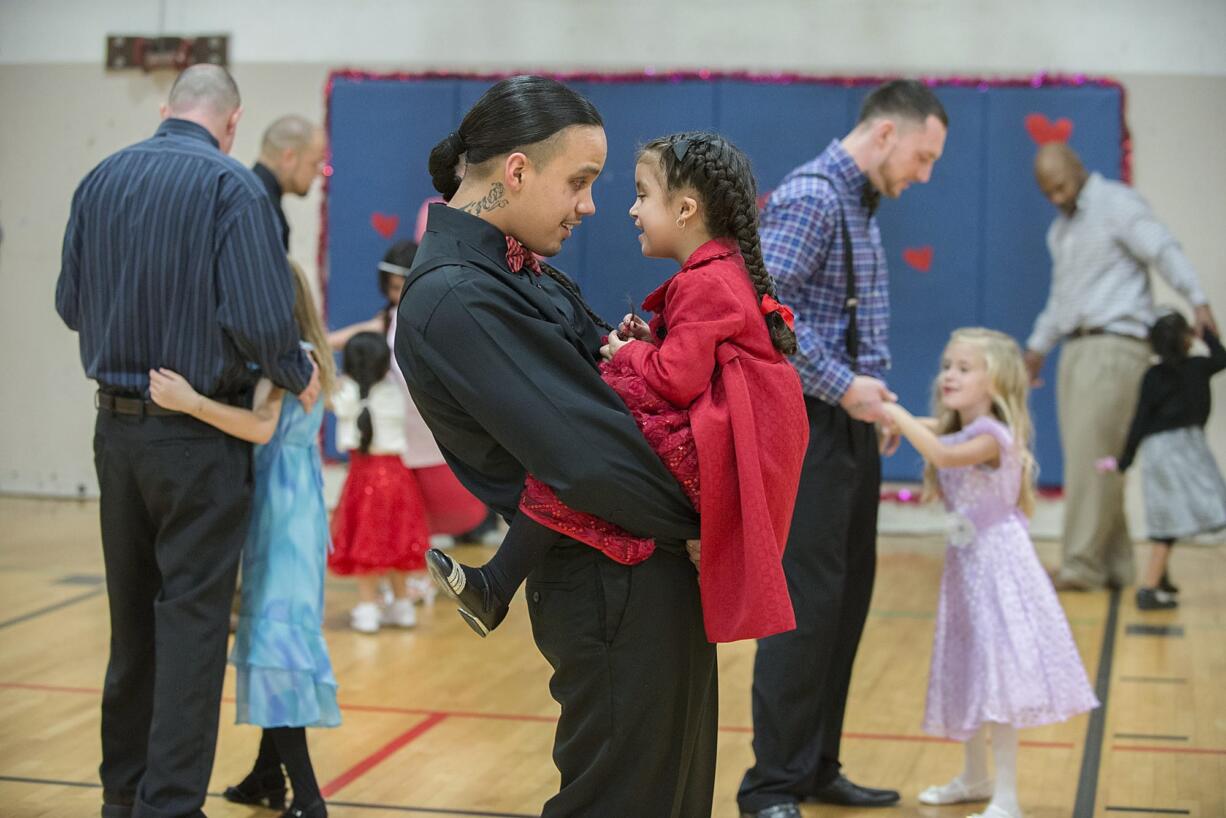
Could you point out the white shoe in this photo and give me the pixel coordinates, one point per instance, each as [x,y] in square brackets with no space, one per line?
[364,618]
[400,613]
[422,589]
[955,792]
[442,541]
[994,811]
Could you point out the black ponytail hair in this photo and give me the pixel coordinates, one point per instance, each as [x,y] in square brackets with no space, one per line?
[720,173]
[1169,337]
[513,114]
[366,360]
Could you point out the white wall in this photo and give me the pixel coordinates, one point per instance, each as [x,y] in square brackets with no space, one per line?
[63,112]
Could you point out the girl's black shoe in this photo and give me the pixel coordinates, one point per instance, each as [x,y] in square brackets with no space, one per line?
[1165,584]
[262,789]
[1155,599]
[468,587]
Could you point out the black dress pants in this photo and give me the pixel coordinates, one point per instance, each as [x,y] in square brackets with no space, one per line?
[636,678]
[176,496]
[801,678]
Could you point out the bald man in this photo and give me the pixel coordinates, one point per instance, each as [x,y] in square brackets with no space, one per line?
[1102,244]
[172,258]
[291,156]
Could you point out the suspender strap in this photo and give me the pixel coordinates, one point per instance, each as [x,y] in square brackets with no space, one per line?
[850,302]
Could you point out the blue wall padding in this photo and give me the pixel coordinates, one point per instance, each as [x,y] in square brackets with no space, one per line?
[982,214]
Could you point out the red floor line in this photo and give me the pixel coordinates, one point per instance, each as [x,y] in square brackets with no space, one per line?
[470,714]
[378,756]
[1145,748]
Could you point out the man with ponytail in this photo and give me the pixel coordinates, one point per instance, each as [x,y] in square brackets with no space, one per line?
[500,354]
[821,242]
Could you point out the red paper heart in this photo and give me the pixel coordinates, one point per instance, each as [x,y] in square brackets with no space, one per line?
[384,225]
[919,257]
[1042,130]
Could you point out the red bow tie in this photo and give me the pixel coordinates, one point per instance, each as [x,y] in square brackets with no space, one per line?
[519,257]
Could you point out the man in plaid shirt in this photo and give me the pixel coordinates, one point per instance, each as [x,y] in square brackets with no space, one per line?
[816,229]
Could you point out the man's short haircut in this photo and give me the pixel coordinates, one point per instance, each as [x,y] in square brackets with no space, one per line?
[903,99]
[204,87]
[290,131]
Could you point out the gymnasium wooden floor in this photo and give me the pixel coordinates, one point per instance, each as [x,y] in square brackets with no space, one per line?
[432,731]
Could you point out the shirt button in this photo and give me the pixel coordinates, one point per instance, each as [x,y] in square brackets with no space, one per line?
[536,596]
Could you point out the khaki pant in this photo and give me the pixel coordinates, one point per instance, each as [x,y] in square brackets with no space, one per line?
[1099,380]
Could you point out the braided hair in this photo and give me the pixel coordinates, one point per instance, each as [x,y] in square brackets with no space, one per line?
[573,288]
[720,174]
[366,360]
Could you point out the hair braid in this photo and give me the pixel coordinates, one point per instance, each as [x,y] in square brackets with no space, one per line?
[722,177]
[573,288]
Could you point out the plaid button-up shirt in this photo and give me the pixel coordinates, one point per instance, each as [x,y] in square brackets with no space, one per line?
[802,244]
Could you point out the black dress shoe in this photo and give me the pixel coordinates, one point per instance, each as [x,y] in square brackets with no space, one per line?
[788,810]
[258,789]
[846,794]
[317,810]
[116,811]
[470,589]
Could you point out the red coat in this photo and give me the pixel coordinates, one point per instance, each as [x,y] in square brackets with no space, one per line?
[750,429]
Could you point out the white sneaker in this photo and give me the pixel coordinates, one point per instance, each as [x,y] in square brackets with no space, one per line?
[955,792]
[364,618]
[400,613]
[422,589]
[997,811]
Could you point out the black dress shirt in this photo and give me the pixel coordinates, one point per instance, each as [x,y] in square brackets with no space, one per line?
[503,367]
[171,259]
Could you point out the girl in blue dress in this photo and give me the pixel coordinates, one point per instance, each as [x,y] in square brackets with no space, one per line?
[284,676]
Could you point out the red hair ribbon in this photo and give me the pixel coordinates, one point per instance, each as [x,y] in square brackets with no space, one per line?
[770,305]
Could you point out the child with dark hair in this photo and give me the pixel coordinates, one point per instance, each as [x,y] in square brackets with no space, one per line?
[1184,491]
[379,525]
[709,386]
[450,508]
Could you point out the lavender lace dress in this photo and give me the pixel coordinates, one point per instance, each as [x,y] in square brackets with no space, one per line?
[1002,651]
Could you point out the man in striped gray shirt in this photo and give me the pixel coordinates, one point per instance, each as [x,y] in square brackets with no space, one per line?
[1102,245]
[173,258]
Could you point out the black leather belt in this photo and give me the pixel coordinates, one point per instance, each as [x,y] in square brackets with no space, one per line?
[130,406]
[1086,332]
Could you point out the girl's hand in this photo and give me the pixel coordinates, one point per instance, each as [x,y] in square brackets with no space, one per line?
[614,343]
[634,327]
[1106,465]
[170,390]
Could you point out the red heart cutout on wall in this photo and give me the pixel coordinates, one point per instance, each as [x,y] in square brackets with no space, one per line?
[384,225]
[1042,130]
[919,257]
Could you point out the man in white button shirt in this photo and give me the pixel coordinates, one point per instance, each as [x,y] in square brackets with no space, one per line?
[1102,245]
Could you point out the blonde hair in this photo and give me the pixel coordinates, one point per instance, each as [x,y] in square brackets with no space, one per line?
[1009,386]
[311,327]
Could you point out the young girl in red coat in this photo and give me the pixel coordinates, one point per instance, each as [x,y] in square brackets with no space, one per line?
[709,386]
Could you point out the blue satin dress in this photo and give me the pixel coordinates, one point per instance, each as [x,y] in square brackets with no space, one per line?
[283,671]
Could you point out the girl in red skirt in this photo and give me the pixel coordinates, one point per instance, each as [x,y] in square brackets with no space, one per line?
[379,527]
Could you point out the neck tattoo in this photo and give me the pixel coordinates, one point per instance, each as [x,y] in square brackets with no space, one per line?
[493,200]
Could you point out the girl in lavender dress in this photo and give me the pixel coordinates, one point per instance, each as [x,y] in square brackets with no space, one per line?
[1003,656]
